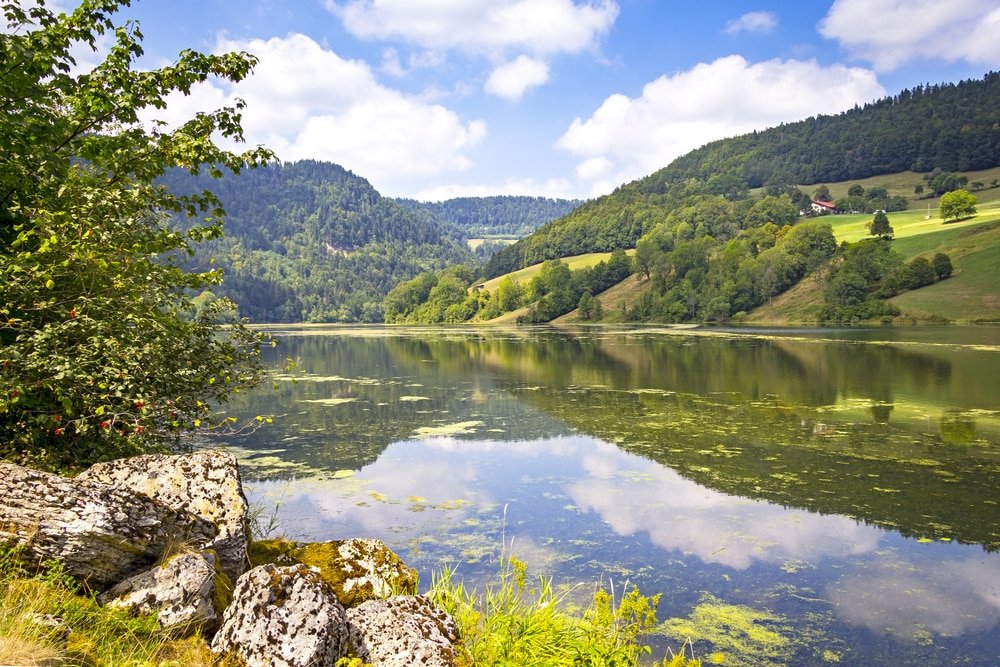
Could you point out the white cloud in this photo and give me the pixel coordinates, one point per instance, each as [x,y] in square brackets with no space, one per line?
[753,22]
[304,101]
[713,526]
[537,26]
[627,138]
[512,79]
[897,598]
[889,33]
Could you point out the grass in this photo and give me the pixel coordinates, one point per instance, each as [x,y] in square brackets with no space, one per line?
[575,263]
[87,635]
[901,184]
[915,222]
[517,622]
[972,294]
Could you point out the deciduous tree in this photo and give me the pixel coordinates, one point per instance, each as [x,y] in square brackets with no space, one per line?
[100,355]
[957,204]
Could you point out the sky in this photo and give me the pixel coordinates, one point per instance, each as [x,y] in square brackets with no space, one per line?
[434,99]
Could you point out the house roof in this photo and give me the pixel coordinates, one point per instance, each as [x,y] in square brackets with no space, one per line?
[824,204]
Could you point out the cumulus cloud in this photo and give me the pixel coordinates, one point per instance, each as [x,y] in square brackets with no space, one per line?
[626,138]
[536,26]
[890,33]
[511,80]
[763,22]
[305,101]
[954,598]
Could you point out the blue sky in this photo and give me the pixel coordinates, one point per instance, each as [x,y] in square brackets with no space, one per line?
[565,98]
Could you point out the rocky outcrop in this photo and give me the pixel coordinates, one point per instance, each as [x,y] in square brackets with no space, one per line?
[357,569]
[143,531]
[282,617]
[206,484]
[401,631]
[101,534]
[187,593]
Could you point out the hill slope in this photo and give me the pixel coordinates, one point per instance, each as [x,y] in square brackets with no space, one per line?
[949,126]
[311,241]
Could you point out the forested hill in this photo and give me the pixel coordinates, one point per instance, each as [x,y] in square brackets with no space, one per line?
[500,216]
[947,126]
[311,241]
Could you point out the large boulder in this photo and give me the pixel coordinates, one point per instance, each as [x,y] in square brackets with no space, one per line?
[282,617]
[401,631]
[100,533]
[356,569]
[206,484]
[187,593]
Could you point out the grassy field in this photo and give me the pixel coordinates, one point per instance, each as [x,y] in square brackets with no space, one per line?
[575,263]
[901,184]
[917,221]
[971,294]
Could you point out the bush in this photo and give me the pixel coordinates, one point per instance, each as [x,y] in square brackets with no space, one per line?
[918,273]
[942,265]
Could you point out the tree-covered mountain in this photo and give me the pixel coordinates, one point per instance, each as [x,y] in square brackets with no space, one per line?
[499,217]
[947,126]
[311,241]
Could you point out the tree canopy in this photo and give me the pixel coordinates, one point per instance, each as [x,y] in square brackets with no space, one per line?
[101,353]
[957,204]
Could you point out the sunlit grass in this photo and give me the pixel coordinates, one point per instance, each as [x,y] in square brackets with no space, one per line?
[82,633]
[515,620]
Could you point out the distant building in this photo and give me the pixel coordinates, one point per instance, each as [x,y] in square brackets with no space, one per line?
[823,207]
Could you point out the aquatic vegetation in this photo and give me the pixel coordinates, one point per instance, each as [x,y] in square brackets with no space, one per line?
[517,621]
[733,634]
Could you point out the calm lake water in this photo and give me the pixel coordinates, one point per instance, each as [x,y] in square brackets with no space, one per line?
[804,496]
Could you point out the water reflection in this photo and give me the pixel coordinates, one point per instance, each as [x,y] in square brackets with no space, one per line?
[909,597]
[814,478]
[678,514]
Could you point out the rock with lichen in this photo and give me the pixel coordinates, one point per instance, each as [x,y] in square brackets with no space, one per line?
[402,631]
[100,533]
[206,484]
[187,592]
[282,617]
[357,569]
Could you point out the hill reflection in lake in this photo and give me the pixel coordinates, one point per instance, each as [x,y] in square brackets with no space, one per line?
[846,486]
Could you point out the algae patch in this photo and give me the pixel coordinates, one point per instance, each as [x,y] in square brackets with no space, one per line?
[733,634]
[460,428]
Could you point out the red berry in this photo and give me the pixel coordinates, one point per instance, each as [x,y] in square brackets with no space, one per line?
[105,424]
[58,418]
[58,431]
[139,429]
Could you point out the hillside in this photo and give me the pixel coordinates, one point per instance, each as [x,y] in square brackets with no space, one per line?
[971,294]
[501,217]
[949,127]
[311,241]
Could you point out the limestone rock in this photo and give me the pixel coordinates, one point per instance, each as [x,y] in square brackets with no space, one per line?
[184,593]
[101,534]
[402,631]
[356,569]
[282,617]
[206,484]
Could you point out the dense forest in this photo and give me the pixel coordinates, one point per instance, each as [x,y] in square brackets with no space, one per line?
[948,127]
[495,217]
[310,241]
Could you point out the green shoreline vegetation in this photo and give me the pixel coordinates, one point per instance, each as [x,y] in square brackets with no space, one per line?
[105,352]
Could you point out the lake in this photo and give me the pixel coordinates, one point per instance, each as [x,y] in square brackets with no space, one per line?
[799,496]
